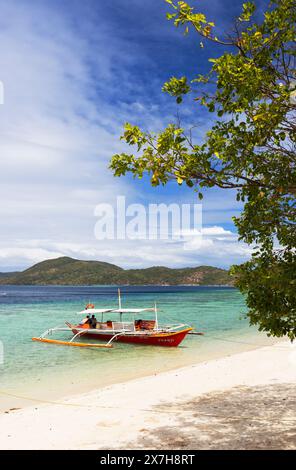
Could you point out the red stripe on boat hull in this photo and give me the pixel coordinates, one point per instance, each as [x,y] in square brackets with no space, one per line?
[165,339]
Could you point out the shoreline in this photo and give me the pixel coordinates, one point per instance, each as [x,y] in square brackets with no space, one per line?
[40,391]
[119,285]
[98,419]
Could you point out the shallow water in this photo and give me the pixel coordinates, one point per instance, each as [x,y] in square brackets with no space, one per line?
[46,372]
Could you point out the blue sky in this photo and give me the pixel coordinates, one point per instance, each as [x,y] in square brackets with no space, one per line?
[73,72]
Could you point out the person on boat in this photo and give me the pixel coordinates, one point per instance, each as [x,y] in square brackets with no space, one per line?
[138,324]
[85,320]
[93,322]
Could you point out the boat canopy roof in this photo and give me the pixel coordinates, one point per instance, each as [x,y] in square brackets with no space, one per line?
[132,310]
[93,311]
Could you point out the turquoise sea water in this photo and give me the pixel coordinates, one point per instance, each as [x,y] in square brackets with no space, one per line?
[46,372]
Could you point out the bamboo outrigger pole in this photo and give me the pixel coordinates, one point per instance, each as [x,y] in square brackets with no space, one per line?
[69,343]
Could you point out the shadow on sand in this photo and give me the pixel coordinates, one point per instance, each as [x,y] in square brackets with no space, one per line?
[260,417]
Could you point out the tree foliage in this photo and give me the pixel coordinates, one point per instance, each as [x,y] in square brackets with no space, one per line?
[250,88]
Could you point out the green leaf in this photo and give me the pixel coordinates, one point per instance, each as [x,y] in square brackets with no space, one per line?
[250,151]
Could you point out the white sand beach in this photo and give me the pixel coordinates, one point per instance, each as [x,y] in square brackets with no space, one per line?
[244,401]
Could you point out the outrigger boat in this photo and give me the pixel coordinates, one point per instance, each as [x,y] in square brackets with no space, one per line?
[135,330]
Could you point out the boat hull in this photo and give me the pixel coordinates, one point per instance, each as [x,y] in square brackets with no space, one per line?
[170,339]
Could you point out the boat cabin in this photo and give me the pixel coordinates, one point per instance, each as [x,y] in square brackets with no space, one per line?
[125,319]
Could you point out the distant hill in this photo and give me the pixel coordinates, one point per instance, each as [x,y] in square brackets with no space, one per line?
[69,271]
[12,273]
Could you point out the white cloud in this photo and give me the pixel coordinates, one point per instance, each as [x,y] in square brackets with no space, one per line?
[58,131]
[57,134]
[24,256]
[210,250]
[215,231]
